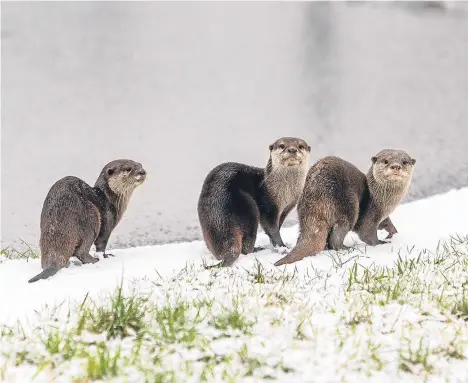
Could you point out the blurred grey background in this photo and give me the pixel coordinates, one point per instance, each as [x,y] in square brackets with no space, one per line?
[182,87]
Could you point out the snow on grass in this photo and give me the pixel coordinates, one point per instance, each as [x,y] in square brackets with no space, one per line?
[395,312]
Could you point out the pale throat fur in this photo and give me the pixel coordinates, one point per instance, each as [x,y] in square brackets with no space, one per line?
[285,183]
[387,194]
[123,187]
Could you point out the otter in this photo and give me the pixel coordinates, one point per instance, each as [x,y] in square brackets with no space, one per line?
[339,198]
[75,215]
[236,197]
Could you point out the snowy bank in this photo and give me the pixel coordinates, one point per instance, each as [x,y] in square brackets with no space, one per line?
[388,312]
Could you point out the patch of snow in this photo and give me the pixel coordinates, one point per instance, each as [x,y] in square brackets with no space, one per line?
[421,225]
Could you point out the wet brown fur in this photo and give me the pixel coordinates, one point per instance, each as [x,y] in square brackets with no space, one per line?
[76,215]
[339,198]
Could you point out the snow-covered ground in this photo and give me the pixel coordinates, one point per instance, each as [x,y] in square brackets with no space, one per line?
[387,313]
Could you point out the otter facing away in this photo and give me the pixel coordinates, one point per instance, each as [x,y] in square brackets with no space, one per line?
[339,198]
[76,215]
[236,198]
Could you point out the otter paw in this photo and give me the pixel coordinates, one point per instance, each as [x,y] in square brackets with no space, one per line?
[107,255]
[380,242]
[87,258]
[277,243]
[278,246]
[74,262]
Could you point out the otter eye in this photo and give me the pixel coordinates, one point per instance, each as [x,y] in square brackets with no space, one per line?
[128,169]
[281,146]
[301,147]
[405,163]
[385,162]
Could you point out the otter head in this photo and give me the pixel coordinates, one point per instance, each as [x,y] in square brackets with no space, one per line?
[123,176]
[288,152]
[392,166]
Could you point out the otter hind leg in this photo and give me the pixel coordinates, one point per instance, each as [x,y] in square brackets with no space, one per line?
[230,257]
[226,245]
[388,225]
[248,244]
[87,258]
[368,234]
[227,258]
[250,236]
[82,250]
[337,235]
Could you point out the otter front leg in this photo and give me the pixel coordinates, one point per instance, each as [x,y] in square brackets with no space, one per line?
[275,238]
[337,235]
[272,230]
[101,244]
[369,236]
[387,224]
[284,214]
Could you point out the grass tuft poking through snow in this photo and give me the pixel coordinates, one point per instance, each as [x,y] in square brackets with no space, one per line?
[26,253]
[122,316]
[395,312]
[403,320]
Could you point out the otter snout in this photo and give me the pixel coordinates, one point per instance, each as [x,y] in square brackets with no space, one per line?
[292,156]
[140,174]
[395,171]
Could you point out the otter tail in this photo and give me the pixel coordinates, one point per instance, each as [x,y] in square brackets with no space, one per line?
[45,274]
[313,241]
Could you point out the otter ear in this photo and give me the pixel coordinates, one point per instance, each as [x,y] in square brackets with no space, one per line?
[308,148]
[374,159]
[413,161]
[271,147]
[110,171]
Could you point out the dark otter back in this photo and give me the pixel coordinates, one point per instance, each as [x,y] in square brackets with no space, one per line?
[65,197]
[226,180]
